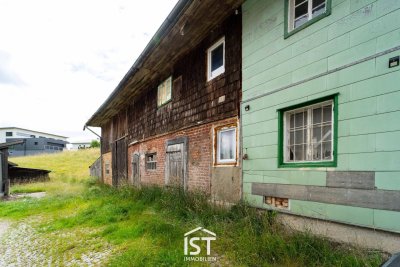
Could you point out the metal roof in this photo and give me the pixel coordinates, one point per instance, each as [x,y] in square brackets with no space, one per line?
[5,145]
[17,128]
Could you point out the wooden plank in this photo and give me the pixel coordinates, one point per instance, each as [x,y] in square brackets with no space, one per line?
[351,179]
[373,199]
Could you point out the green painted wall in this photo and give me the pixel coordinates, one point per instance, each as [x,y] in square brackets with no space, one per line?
[369,97]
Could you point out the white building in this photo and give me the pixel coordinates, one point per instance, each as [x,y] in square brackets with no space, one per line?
[15,132]
[79,144]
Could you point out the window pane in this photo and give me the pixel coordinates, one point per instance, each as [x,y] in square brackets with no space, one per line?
[299,119]
[291,153]
[301,10]
[327,133]
[316,134]
[291,121]
[299,153]
[317,114]
[298,137]
[327,113]
[291,139]
[317,3]
[300,21]
[327,150]
[217,57]
[227,145]
[316,150]
[318,7]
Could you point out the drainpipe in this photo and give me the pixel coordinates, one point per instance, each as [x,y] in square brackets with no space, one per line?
[101,155]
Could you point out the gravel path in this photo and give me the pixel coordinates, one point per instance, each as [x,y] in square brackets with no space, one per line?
[22,245]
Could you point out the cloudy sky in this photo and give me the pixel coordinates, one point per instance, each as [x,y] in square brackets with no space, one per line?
[60,59]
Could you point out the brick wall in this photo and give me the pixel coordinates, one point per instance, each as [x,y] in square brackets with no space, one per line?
[200,156]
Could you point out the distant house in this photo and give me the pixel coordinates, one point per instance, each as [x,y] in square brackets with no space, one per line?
[75,145]
[34,142]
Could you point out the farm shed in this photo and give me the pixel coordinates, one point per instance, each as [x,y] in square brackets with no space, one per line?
[19,175]
[174,118]
[4,178]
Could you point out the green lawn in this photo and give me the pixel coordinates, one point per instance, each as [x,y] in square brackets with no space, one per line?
[127,227]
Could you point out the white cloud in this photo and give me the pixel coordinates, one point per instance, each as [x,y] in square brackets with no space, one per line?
[59,60]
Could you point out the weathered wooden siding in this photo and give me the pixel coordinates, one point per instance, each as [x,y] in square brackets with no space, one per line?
[369,97]
[193,98]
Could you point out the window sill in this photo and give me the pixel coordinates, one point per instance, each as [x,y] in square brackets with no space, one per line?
[308,164]
[210,79]
[164,104]
[287,34]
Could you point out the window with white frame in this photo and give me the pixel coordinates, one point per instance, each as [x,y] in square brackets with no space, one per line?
[151,161]
[216,59]
[302,11]
[226,145]
[308,133]
[164,92]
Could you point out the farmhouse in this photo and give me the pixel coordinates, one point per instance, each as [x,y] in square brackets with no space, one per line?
[321,111]
[174,118]
[290,105]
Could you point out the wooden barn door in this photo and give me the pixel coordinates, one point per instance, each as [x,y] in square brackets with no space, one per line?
[136,170]
[119,162]
[176,163]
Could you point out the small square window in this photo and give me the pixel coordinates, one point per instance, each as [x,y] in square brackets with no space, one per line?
[9,134]
[107,167]
[36,143]
[151,161]
[308,134]
[164,92]
[226,145]
[301,13]
[216,59]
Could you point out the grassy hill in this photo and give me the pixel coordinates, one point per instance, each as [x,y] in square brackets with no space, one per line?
[81,222]
[69,171]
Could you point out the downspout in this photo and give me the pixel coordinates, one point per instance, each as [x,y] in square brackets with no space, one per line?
[101,154]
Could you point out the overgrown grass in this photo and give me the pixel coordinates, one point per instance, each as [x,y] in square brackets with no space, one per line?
[146,227]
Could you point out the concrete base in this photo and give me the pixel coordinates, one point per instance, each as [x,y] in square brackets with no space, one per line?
[359,236]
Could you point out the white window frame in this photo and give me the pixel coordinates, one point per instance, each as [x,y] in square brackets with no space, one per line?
[212,74]
[163,86]
[286,131]
[309,14]
[218,145]
[148,162]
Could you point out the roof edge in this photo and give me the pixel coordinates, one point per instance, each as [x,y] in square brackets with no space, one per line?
[172,18]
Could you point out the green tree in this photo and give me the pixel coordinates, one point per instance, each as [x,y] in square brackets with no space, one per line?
[95,143]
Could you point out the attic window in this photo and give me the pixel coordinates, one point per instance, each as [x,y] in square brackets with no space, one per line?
[301,13]
[216,59]
[164,92]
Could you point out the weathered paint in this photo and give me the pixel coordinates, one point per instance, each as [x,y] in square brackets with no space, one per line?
[308,65]
[107,168]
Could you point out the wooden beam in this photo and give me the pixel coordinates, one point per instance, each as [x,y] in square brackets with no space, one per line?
[373,199]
